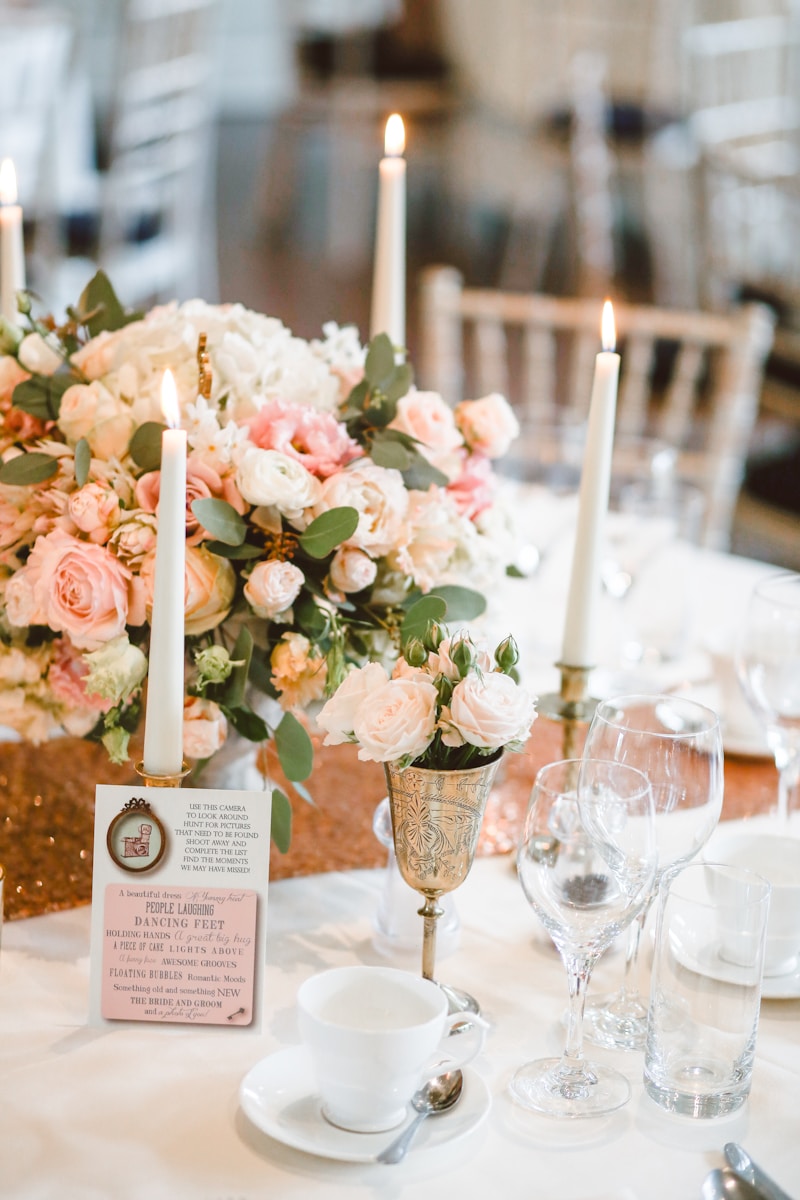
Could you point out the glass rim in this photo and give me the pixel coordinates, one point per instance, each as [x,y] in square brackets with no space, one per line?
[540,777]
[652,699]
[670,883]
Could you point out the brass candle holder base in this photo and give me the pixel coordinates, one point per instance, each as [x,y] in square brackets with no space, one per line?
[572,705]
[165,781]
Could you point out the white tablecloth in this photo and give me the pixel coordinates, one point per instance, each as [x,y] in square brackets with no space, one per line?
[152,1113]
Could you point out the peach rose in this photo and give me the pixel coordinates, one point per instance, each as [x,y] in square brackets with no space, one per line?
[488,425]
[273,587]
[379,496]
[134,538]
[398,722]
[352,570]
[67,678]
[488,711]
[11,373]
[204,727]
[202,482]
[426,417]
[209,588]
[77,588]
[95,358]
[89,410]
[338,715]
[298,671]
[95,509]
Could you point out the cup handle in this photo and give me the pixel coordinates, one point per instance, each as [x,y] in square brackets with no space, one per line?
[463,1040]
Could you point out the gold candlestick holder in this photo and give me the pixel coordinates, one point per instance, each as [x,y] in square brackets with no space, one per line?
[572,705]
[165,781]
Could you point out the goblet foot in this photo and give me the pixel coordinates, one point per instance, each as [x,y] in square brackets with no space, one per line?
[618,1022]
[549,1086]
[458,1000]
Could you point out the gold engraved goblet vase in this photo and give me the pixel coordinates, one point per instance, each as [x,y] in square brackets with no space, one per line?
[436,820]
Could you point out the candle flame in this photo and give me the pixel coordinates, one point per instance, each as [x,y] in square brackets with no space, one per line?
[8,182]
[169,401]
[608,330]
[394,140]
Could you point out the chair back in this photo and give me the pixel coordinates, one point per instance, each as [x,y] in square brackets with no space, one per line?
[692,379]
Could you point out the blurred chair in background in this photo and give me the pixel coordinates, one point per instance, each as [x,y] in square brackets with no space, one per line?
[36,47]
[688,378]
[155,229]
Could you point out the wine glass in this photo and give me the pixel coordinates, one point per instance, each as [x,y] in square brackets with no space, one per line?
[586,863]
[677,744]
[768,664]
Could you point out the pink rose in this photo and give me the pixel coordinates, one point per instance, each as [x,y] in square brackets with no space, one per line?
[338,715]
[426,417]
[488,710]
[273,587]
[202,482]
[134,538]
[204,727]
[95,509]
[67,679]
[315,439]
[488,425]
[473,489]
[77,588]
[352,570]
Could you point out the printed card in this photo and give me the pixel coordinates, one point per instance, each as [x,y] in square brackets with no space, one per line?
[179,908]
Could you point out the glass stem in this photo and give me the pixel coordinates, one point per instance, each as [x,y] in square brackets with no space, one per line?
[788,764]
[579,970]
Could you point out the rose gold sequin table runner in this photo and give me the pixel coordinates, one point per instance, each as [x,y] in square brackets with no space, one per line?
[47,805]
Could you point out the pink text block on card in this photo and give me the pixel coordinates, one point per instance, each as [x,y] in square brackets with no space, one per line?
[184,954]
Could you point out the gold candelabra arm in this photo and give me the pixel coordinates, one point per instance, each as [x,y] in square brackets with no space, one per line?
[572,705]
[205,376]
[151,780]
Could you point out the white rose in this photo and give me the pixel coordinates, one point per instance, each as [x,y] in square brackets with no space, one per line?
[89,410]
[204,727]
[21,603]
[95,358]
[267,477]
[398,722]
[273,587]
[488,425]
[115,670]
[379,496]
[37,355]
[338,716]
[426,417]
[490,711]
[352,570]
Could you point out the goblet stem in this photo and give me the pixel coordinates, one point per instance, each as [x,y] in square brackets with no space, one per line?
[788,764]
[430,913]
[579,970]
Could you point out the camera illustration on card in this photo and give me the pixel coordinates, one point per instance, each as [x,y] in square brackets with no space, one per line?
[136,839]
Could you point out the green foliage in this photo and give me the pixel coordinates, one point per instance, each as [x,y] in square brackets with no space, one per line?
[40,396]
[220,519]
[99,308]
[27,469]
[83,461]
[295,751]
[281,821]
[237,680]
[145,445]
[463,604]
[328,531]
[415,622]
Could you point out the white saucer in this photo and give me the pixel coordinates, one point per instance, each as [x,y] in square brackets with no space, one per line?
[277,1095]
[708,961]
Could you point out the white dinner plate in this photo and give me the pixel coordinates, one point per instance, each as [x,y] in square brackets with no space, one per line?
[277,1095]
[708,961]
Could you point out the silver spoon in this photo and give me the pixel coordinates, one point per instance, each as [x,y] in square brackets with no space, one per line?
[741,1162]
[725,1185]
[436,1096]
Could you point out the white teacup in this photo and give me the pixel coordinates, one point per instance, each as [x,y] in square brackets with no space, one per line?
[375,1035]
[776,859]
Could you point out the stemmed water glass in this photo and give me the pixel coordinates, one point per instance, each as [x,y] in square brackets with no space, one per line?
[586,862]
[768,665]
[677,744]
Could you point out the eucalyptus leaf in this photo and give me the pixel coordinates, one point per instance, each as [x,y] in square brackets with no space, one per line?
[415,622]
[295,751]
[83,461]
[236,553]
[329,530]
[28,469]
[281,821]
[220,519]
[145,445]
[304,792]
[355,401]
[379,366]
[100,308]
[463,604]
[391,454]
[421,474]
[246,722]
[40,396]
[260,676]
[403,378]
[236,682]
[310,617]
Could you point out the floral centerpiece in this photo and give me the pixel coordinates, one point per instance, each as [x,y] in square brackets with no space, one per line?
[332,511]
[448,705]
